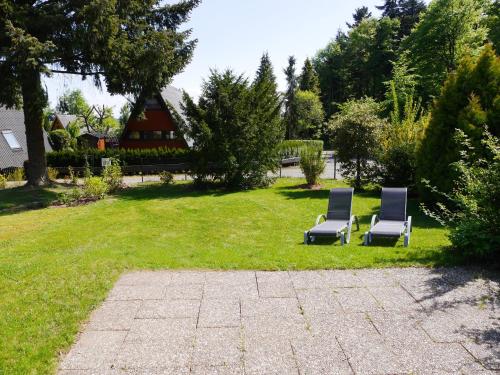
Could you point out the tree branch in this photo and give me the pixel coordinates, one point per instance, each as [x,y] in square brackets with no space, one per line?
[76,73]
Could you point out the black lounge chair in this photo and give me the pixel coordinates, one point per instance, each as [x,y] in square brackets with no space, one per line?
[338,219]
[392,221]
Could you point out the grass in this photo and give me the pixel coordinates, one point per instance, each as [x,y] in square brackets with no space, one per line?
[57,264]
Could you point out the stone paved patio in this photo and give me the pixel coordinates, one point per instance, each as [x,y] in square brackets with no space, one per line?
[392,321]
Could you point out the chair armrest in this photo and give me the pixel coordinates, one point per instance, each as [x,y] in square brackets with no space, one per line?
[318,219]
[374,221]
[408,224]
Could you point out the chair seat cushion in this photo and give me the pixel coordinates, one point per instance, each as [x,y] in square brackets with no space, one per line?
[328,228]
[388,228]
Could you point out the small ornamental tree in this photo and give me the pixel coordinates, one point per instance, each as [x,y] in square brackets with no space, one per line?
[310,115]
[355,137]
[133,47]
[236,129]
[469,100]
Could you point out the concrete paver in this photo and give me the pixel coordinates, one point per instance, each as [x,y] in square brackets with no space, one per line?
[391,321]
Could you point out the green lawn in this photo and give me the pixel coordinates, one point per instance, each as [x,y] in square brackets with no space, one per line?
[57,264]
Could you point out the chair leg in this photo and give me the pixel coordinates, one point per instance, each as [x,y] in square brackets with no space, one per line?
[342,238]
[407,239]
[365,239]
[306,238]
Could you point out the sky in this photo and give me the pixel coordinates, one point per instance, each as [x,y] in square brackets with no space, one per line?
[234,34]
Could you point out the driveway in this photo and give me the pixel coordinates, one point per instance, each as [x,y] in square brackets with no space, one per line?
[391,321]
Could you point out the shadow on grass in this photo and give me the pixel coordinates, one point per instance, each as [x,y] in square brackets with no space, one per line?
[24,198]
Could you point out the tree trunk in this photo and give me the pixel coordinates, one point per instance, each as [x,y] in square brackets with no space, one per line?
[33,103]
[358,173]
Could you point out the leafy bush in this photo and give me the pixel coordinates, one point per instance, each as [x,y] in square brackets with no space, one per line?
[73,177]
[70,198]
[59,139]
[113,176]
[94,188]
[154,156]
[166,178]
[3,181]
[311,164]
[52,173]
[292,147]
[472,208]
[16,175]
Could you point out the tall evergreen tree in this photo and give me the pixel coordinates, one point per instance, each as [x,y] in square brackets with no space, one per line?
[389,9]
[290,116]
[265,73]
[359,15]
[309,80]
[134,45]
[409,15]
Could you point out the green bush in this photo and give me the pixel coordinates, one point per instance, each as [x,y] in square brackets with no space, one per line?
[94,188]
[59,139]
[3,181]
[76,159]
[70,198]
[292,147]
[472,208]
[52,173]
[166,178]
[113,176]
[312,164]
[16,175]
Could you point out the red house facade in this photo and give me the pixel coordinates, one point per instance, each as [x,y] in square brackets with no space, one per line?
[160,127]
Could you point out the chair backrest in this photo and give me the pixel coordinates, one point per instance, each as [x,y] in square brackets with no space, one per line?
[393,206]
[340,204]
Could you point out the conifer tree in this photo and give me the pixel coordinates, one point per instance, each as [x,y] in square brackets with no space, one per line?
[265,72]
[389,9]
[290,116]
[309,80]
[359,15]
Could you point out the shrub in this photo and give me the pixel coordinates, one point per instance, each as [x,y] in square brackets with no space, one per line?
[70,198]
[94,188]
[16,175]
[52,173]
[3,181]
[73,177]
[113,176]
[471,209]
[59,139]
[312,165]
[292,147]
[166,178]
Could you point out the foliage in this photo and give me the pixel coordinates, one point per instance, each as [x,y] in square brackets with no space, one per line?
[407,11]
[448,31]
[166,177]
[469,100]
[113,176]
[292,147]
[310,115]
[235,132]
[3,181]
[471,208]
[308,80]
[124,115]
[73,177]
[359,15]
[52,173]
[153,156]
[16,175]
[133,47]
[94,187]
[311,164]
[290,115]
[59,140]
[356,135]
[493,24]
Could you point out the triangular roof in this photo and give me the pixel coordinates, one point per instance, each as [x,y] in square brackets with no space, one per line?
[66,119]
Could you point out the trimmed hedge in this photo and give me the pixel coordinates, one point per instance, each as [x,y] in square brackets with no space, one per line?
[154,156]
[293,147]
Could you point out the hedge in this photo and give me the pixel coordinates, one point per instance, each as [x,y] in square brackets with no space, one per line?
[126,157]
[291,148]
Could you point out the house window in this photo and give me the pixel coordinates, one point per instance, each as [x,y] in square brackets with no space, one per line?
[134,135]
[170,135]
[11,140]
[155,134]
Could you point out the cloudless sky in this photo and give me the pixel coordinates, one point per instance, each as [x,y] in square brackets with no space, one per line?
[235,33]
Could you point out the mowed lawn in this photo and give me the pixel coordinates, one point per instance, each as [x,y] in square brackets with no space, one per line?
[57,264]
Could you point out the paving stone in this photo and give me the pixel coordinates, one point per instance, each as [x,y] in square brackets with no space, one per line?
[224,291]
[262,328]
[279,307]
[136,292]
[162,309]
[114,315]
[161,278]
[165,353]
[487,352]
[161,330]
[189,291]
[217,347]
[342,279]
[416,276]
[231,278]
[279,277]
[276,290]
[376,277]
[188,278]
[356,300]
[156,371]
[94,350]
[320,355]
[394,298]
[219,313]
[318,301]
[218,370]
[307,279]
[342,325]
[269,357]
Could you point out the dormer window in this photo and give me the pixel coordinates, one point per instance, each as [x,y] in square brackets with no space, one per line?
[11,140]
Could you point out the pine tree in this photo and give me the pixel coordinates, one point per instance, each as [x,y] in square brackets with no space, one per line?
[468,101]
[265,73]
[290,116]
[389,9]
[359,15]
[309,80]
[409,14]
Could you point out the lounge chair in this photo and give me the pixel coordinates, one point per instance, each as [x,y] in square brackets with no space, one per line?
[338,219]
[392,221]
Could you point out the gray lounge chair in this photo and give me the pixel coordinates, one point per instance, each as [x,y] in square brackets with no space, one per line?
[338,219]
[392,221]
